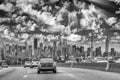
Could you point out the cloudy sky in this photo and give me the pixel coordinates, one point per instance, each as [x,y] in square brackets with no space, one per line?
[17,17]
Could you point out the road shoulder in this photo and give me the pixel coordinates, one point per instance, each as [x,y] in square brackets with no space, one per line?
[6,71]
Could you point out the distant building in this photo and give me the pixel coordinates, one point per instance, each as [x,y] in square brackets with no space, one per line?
[88,51]
[1,48]
[12,49]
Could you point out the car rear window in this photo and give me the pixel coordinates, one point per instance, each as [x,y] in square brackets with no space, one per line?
[27,62]
[46,60]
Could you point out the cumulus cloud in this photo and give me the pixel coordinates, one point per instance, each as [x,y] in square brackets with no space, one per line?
[73,19]
[6,7]
[54,22]
[4,20]
[6,31]
[2,28]
[45,17]
[51,18]
[32,28]
[74,37]
[27,1]
[91,18]
[24,36]
[112,20]
[56,28]
[117,25]
[116,1]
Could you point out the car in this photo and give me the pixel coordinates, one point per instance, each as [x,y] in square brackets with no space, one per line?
[117,61]
[4,65]
[86,61]
[71,61]
[27,64]
[46,64]
[111,61]
[34,64]
[100,60]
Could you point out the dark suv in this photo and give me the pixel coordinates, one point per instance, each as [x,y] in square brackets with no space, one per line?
[46,64]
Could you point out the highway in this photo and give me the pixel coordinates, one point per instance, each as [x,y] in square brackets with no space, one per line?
[21,73]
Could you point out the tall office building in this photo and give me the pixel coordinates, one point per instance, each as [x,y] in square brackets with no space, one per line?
[74,50]
[98,51]
[82,51]
[88,51]
[35,43]
[112,51]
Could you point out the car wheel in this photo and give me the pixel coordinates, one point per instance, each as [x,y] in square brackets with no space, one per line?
[38,71]
[24,67]
[54,71]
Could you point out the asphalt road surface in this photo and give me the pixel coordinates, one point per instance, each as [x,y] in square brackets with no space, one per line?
[62,74]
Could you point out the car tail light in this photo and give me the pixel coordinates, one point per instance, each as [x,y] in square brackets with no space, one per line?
[54,64]
[39,64]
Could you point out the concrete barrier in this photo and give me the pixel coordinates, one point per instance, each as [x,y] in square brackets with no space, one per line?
[6,71]
[113,67]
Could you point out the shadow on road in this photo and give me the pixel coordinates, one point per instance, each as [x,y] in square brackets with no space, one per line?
[47,72]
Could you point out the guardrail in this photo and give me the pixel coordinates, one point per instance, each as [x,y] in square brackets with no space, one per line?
[113,67]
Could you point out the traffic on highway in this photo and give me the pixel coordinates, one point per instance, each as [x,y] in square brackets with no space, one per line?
[59,39]
[21,73]
[47,68]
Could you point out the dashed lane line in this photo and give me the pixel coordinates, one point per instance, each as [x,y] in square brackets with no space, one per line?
[67,74]
[25,76]
[71,75]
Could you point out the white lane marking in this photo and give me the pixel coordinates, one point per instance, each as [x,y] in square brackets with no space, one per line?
[67,74]
[25,76]
[71,75]
[61,71]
